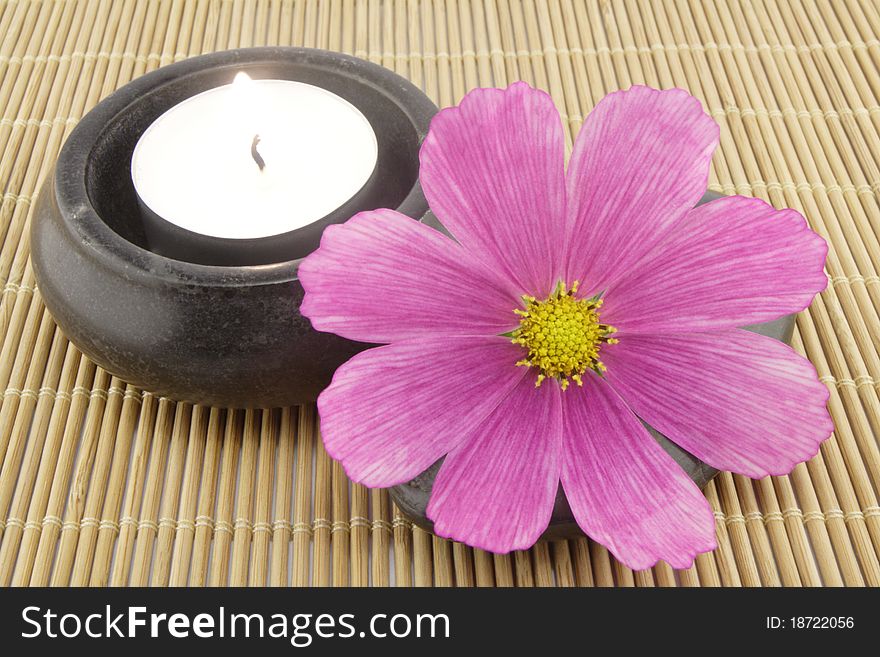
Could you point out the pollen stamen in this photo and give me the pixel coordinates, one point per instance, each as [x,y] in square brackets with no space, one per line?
[562,335]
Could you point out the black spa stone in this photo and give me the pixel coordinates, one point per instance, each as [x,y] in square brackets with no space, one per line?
[227,333]
[412,497]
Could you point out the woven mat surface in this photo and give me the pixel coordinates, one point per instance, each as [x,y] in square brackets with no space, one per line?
[102,484]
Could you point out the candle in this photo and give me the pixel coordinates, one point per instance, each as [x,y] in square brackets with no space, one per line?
[186,315]
[253,159]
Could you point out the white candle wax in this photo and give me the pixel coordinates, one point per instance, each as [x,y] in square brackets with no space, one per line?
[254,158]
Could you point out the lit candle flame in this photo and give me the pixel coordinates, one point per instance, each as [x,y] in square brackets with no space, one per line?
[244,88]
[241,80]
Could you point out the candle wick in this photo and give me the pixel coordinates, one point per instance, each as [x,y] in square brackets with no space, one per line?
[256,155]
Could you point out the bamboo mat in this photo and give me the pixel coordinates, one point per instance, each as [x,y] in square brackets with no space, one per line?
[102,484]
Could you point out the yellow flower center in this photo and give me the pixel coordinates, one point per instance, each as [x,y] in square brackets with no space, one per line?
[562,335]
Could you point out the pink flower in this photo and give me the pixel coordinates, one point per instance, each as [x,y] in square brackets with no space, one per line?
[503,356]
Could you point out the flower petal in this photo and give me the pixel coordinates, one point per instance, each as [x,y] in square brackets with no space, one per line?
[734,399]
[392,411]
[640,162]
[624,491]
[382,276]
[492,169]
[729,263]
[496,490]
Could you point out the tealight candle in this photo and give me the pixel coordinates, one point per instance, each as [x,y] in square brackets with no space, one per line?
[253,159]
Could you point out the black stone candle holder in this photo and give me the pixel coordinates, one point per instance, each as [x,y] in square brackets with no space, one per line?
[227,334]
